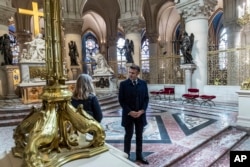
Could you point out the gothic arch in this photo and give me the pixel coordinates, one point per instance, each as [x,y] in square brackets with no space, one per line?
[109,10]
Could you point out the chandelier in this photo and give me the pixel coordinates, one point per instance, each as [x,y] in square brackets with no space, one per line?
[244,13]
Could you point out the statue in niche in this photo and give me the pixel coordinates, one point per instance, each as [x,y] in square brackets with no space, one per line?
[129,50]
[186,47]
[36,49]
[102,66]
[73,53]
[6,49]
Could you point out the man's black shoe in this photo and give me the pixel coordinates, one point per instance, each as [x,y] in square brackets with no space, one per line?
[142,160]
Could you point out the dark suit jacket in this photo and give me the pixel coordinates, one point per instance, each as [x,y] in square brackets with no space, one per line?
[133,98]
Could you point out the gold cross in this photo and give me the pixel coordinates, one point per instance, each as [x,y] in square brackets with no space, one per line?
[35,13]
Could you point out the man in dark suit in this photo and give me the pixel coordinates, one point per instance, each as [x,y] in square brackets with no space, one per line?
[133,98]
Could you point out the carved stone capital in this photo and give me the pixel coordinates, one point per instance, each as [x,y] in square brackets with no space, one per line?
[152,37]
[72,26]
[132,25]
[196,8]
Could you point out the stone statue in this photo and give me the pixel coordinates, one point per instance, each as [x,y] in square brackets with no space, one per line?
[102,66]
[36,48]
[186,47]
[129,50]
[6,49]
[73,53]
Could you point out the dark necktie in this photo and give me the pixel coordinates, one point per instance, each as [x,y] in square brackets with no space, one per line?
[134,82]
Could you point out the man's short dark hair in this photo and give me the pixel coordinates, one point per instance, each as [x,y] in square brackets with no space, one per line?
[135,67]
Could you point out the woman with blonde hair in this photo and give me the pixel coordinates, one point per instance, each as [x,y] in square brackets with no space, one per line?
[84,94]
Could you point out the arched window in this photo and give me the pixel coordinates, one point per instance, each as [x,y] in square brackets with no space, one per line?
[223,46]
[90,47]
[121,59]
[145,56]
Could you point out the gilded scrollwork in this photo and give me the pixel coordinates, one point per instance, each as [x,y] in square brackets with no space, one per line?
[245,85]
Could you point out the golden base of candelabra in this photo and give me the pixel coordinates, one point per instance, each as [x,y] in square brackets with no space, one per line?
[56,133]
[66,156]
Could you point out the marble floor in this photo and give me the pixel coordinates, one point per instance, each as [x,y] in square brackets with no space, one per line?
[176,135]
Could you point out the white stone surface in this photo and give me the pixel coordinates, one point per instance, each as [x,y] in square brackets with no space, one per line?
[113,157]
[243,118]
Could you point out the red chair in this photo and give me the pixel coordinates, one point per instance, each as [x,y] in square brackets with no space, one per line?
[168,92]
[191,96]
[156,94]
[207,99]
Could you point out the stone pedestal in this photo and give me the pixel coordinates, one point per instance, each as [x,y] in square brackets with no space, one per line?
[9,70]
[32,71]
[243,118]
[75,70]
[105,83]
[188,69]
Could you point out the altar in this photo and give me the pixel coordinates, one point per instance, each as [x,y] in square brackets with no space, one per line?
[243,118]
[32,71]
[31,91]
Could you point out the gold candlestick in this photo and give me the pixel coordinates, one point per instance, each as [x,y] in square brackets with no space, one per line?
[55,133]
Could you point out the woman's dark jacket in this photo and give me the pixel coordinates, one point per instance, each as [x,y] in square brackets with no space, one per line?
[90,105]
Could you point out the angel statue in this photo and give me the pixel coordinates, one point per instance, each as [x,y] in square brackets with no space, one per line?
[186,47]
[129,49]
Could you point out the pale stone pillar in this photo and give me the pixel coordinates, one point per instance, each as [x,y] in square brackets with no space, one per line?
[196,15]
[8,70]
[136,38]
[153,52]
[230,15]
[188,70]
[112,54]
[133,27]
[243,118]
[72,32]
[199,51]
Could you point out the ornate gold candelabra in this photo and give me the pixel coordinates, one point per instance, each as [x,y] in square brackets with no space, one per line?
[55,133]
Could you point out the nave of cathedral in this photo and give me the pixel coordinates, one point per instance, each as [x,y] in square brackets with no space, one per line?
[176,135]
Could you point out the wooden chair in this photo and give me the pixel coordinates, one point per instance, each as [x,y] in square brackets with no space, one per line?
[191,96]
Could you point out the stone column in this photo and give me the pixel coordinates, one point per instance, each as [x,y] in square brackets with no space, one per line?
[153,52]
[112,53]
[188,70]
[133,27]
[230,15]
[72,32]
[74,70]
[8,70]
[196,15]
